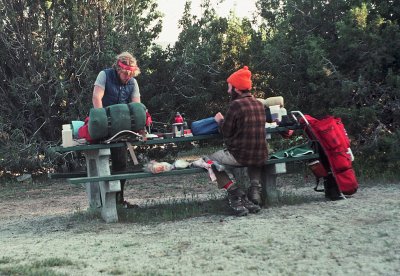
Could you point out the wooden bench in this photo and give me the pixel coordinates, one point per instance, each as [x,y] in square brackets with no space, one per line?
[102,186]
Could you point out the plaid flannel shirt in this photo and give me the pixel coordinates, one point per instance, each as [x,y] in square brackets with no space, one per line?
[243,130]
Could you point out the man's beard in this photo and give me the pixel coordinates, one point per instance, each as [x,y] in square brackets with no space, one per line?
[234,95]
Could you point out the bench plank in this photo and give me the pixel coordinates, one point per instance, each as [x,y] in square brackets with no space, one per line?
[79,180]
[136,175]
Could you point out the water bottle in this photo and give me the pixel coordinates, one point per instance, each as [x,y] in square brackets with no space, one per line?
[66,135]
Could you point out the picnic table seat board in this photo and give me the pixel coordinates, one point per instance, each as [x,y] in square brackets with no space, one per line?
[308,154]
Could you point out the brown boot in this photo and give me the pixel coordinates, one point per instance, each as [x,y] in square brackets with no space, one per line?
[235,195]
[254,193]
[253,208]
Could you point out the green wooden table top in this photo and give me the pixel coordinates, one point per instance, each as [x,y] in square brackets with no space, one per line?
[84,147]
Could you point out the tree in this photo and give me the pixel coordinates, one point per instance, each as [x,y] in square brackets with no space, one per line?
[340,58]
[52,52]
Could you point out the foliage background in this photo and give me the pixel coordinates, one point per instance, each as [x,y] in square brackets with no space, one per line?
[324,57]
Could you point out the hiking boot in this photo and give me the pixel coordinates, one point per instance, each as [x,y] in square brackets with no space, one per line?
[235,202]
[254,194]
[253,208]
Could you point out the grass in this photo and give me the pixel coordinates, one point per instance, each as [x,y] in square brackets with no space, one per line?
[28,271]
[88,215]
[38,268]
[162,210]
[173,209]
[52,262]
[291,198]
[5,260]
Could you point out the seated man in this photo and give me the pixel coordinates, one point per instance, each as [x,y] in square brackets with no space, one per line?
[243,129]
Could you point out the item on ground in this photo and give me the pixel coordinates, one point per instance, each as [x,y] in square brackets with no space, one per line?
[157,167]
[201,163]
[24,177]
[181,164]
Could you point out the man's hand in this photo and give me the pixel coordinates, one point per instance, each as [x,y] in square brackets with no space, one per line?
[219,117]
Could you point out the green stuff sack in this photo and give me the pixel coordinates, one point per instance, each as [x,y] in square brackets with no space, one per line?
[98,123]
[120,118]
[105,122]
[138,116]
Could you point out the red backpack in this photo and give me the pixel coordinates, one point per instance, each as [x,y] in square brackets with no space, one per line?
[335,144]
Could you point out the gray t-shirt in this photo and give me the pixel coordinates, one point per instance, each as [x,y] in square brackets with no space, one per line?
[101,81]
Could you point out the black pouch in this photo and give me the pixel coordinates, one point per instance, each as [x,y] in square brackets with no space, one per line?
[268,117]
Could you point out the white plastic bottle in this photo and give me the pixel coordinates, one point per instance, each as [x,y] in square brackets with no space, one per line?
[66,135]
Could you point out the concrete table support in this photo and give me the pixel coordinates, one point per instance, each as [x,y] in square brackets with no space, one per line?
[270,193]
[103,193]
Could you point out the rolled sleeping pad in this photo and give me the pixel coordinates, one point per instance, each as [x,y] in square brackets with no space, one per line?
[105,122]
[274,101]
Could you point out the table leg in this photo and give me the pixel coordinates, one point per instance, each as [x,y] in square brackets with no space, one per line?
[269,192]
[102,193]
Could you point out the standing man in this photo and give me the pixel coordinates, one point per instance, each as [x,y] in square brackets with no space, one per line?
[117,85]
[243,129]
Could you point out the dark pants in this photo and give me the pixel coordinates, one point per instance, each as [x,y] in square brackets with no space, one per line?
[119,160]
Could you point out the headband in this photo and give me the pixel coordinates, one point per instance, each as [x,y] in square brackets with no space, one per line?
[127,67]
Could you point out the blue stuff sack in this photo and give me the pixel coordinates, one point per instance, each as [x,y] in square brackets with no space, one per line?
[204,126]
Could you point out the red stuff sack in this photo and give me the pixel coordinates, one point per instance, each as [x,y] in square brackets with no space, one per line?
[83,131]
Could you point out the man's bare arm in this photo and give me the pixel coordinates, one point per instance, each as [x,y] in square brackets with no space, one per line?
[98,93]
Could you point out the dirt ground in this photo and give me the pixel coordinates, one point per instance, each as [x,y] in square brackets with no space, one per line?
[42,222]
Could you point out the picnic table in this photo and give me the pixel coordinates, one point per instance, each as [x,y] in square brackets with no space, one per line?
[102,186]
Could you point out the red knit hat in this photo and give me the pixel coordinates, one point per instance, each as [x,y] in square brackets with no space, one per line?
[241,79]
